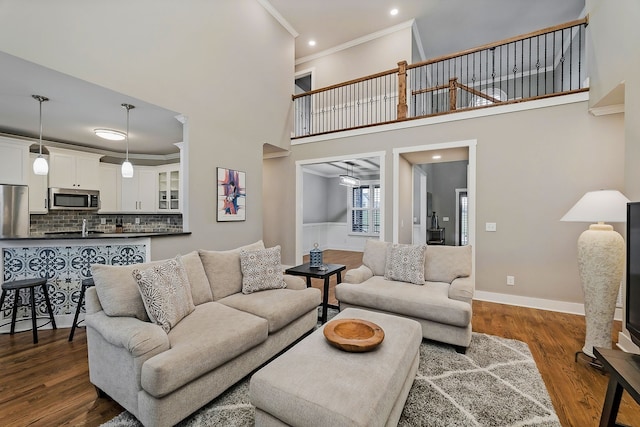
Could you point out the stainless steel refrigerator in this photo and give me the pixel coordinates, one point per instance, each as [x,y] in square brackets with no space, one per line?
[14,211]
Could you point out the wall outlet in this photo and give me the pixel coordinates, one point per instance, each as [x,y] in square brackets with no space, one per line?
[168,220]
[138,221]
[445,219]
[490,226]
[103,221]
[511,281]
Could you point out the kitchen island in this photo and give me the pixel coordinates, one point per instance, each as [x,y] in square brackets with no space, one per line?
[65,259]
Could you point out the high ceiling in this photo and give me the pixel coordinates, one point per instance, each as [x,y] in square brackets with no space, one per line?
[77,107]
[444,26]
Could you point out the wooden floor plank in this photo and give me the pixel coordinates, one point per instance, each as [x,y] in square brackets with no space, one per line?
[47,384]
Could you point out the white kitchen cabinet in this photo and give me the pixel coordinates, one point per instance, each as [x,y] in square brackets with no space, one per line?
[109,187]
[14,161]
[73,169]
[38,189]
[169,188]
[138,194]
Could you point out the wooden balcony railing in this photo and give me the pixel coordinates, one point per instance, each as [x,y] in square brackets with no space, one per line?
[541,64]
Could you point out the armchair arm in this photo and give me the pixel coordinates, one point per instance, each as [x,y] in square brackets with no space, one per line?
[137,337]
[294,282]
[358,275]
[461,289]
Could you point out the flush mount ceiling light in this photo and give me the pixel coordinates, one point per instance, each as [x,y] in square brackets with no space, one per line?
[312,42]
[393,12]
[349,180]
[127,167]
[110,134]
[40,165]
[436,157]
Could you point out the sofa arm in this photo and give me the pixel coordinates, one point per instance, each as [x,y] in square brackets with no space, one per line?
[294,282]
[461,289]
[137,337]
[358,275]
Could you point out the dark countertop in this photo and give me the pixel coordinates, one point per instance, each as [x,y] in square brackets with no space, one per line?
[95,236]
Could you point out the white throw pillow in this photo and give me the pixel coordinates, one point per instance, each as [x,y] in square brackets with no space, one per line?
[166,292]
[405,263]
[261,270]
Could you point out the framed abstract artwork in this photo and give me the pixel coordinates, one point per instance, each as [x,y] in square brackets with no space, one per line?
[232,195]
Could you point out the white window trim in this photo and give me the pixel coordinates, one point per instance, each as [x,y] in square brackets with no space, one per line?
[350,231]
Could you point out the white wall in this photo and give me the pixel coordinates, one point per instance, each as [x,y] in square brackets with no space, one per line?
[614,60]
[532,166]
[226,65]
[372,57]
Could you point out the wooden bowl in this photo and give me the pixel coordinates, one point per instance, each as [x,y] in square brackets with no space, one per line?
[353,335]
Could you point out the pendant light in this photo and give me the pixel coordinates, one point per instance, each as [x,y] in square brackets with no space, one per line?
[349,180]
[127,167]
[40,165]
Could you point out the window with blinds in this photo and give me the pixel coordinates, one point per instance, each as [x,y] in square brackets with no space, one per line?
[364,206]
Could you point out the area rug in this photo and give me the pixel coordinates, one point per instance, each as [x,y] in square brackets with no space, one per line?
[496,383]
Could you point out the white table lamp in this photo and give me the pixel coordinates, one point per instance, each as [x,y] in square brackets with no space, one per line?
[601,253]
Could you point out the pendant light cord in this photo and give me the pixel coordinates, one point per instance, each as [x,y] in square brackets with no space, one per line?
[128,107]
[40,99]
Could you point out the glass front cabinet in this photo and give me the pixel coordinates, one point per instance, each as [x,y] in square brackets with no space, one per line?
[169,188]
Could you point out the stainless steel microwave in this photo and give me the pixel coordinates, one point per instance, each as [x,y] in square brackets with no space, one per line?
[74,199]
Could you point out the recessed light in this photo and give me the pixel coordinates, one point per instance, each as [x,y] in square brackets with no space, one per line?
[436,157]
[112,135]
[312,42]
[393,12]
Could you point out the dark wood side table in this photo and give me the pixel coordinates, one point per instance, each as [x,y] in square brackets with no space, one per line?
[624,371]
[315,273]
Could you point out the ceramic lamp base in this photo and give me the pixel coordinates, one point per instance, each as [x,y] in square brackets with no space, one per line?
[601,263]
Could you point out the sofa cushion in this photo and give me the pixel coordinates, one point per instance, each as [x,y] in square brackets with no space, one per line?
[166,292]
[204,340]
[375,256]
[200,288]
[405,263]
[261,270]
[279,306]
[118,291]
[445,263]
[223,269]
[430,301]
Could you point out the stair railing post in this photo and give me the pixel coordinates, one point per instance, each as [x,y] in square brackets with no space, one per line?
[402,90]
[453,93]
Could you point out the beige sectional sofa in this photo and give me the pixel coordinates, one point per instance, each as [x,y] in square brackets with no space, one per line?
[161,377]
[439,297]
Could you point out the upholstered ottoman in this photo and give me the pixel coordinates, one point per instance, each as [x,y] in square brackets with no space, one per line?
[315,384]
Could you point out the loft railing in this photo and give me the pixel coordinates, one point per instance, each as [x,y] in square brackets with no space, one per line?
[541,64]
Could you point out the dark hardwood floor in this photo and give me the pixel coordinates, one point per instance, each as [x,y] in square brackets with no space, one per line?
[47,384]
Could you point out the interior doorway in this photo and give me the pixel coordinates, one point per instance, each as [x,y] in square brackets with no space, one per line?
[421,154]
[304,82]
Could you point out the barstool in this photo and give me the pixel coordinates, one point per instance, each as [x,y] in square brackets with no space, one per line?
[86,283]
[30,284]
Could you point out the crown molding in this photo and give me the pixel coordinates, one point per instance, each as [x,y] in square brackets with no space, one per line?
[356,42]
[272,10]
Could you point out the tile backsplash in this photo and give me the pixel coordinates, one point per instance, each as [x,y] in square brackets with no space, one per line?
[72,221]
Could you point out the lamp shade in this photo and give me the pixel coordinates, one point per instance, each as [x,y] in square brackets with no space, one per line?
[599,206]
[40,166]
[127,169]
[349,181]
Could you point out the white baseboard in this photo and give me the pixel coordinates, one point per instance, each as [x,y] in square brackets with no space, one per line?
[625,343]
[539,303]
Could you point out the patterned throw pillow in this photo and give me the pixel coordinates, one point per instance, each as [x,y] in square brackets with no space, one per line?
[405,263]
[166,292]
[261,270]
